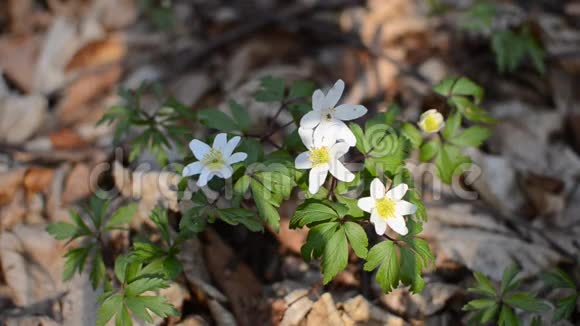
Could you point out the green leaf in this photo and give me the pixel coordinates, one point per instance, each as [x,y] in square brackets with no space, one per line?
[471,137]
[310,212]
[470,110]
[145,252]
[385,255]
[507,317]
[157,305]
[301,88]
[235,216]
[121,263]
[413,134]
[361,141]
[335,257]
[215,119]
[489,313]
[172,267]
[272,90]
[192,221]
[508,281]
[452,125]
[98,207]
[479,304]
[62,230]
[527,302]
[358,239]
[450,162]
[138,307]
[429,150]
[123,215]
[98,270]
[240,115]
[267,211]
[123,318]
[536,321]
[82,227]
[253,148]
[480,16]
[316,240]
[415,199]
[352,206]
[565,307]
[483,286]
[145,284]
[558,279]
[461,86]
[111,306]
[75,261]
[411,270]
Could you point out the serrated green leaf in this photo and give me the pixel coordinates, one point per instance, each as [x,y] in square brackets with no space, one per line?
[483,286]
[489,313]
[157,305]
[429,150]
[240,115]
[479,304]
[452,125]
[385,255]
[123,215]
[312,212]
[558,279]
[111,306]
[192,221]
[335,256]
[316,240]
[215,119]
[98,270]
[352,206]
[415,199]
[235,216]
[144,252]
[472,137]
[565,307]
[172,267]
[98,207]
[413,134]
[411,270]
[263,201]
[301,88]
[145,284]
[358,239]
[526,301]
[75,261]
[508,281]
[123,318]
[82,227]
[253,148]
[62,230]
[361,141]
[470,110]
[450,162]
[121,263]
[507,317]
[272,90]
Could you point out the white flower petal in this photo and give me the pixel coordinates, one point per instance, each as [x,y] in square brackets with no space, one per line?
[403,207]
[316,178]
[199,148]
[339,171]
[348,112]
[225,172]
[398,192]
[318,100]
[204,177]
[325,135]
[236,157]
[220,141]
[397,223]
[339,130]
[303,161]
[426,113]
[307,136]
[339,149]
[310,120]
[377,189]
[379,223]
[192,169]
[334,94]
[230,146]
[366,204]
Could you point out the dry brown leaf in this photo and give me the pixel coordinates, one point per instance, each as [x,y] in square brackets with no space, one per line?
[87,88]
[21,117]
[77,184]
[297,306]
[10,181]
[18,56]
[37,179]
[97,53]
[324,312]
[66,139]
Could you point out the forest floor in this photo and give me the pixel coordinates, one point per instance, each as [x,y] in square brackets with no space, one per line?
[62,63]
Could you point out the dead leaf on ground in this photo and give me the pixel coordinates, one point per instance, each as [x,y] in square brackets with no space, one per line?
[21,117]
[18,55]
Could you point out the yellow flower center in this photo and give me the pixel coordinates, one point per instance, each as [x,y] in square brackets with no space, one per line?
[385,207]
[214,159]
[431,123]
[319,156]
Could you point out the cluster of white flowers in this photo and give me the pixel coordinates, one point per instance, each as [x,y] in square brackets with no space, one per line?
[327,139]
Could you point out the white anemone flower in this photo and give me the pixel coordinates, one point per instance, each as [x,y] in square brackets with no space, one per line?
[322,157]
[326,117]
[214,161]
[387,207]
[431,121]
